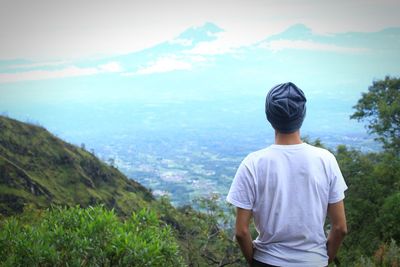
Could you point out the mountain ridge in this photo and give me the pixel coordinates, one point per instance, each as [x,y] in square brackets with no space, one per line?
[38,168]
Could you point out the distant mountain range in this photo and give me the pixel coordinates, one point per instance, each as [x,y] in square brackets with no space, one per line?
[206,49]
[37,168]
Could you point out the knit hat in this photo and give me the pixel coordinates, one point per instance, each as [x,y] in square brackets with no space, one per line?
[285,107]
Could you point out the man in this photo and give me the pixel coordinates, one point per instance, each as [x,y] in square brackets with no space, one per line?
[289,188]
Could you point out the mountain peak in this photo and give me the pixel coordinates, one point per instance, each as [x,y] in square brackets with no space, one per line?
[294,32]
[206,32]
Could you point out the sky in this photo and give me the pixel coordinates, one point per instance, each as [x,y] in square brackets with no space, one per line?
[48,30]
[59,57]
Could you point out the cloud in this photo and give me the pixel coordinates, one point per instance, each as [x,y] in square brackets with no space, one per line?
[111,67]
[225,42]
[279,45]
[70,71]
[210,48]
[182,42]
[34,75]
[164,64]
[198,58]
[38,64]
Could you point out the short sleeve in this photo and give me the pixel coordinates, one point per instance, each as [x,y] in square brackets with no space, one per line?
[337,184]
[242,191]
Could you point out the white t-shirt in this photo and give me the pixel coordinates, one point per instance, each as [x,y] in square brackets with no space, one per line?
[288,188]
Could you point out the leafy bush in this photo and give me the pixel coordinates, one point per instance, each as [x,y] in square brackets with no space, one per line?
[390,217]
[203,230]
[88,237]
[388,255]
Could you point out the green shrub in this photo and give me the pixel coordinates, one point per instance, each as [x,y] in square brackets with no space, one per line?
[88,237]
[388,255]
[390,217]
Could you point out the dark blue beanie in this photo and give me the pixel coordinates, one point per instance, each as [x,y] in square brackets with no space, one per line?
[285,107]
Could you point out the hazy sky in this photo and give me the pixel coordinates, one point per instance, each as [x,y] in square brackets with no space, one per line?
[75,65]
[56,30]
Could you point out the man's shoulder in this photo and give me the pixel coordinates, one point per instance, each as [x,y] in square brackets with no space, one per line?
[254,156]
[264,153]
[259,153]
[319,151]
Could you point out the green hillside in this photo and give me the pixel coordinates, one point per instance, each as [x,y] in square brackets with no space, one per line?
[40,169]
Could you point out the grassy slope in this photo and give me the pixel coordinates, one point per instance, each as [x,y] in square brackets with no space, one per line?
[36,167]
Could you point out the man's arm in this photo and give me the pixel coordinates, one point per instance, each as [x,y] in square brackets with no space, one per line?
[242,233]
[337,218]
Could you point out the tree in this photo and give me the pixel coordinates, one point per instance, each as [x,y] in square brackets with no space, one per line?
[380,107]
[390,217]
[206,239]
[111,162]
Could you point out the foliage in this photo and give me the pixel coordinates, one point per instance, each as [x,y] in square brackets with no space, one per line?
[387,255]
[216,245]
[203,231]
[373,198]
[88,237]
[389,217]
[372,208]
[380,107]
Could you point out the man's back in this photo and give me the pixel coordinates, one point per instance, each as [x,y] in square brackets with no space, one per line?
[288,188]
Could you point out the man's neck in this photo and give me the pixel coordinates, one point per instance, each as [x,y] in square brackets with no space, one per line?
[287,139]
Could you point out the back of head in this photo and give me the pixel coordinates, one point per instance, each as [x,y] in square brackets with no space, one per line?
[285,107]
